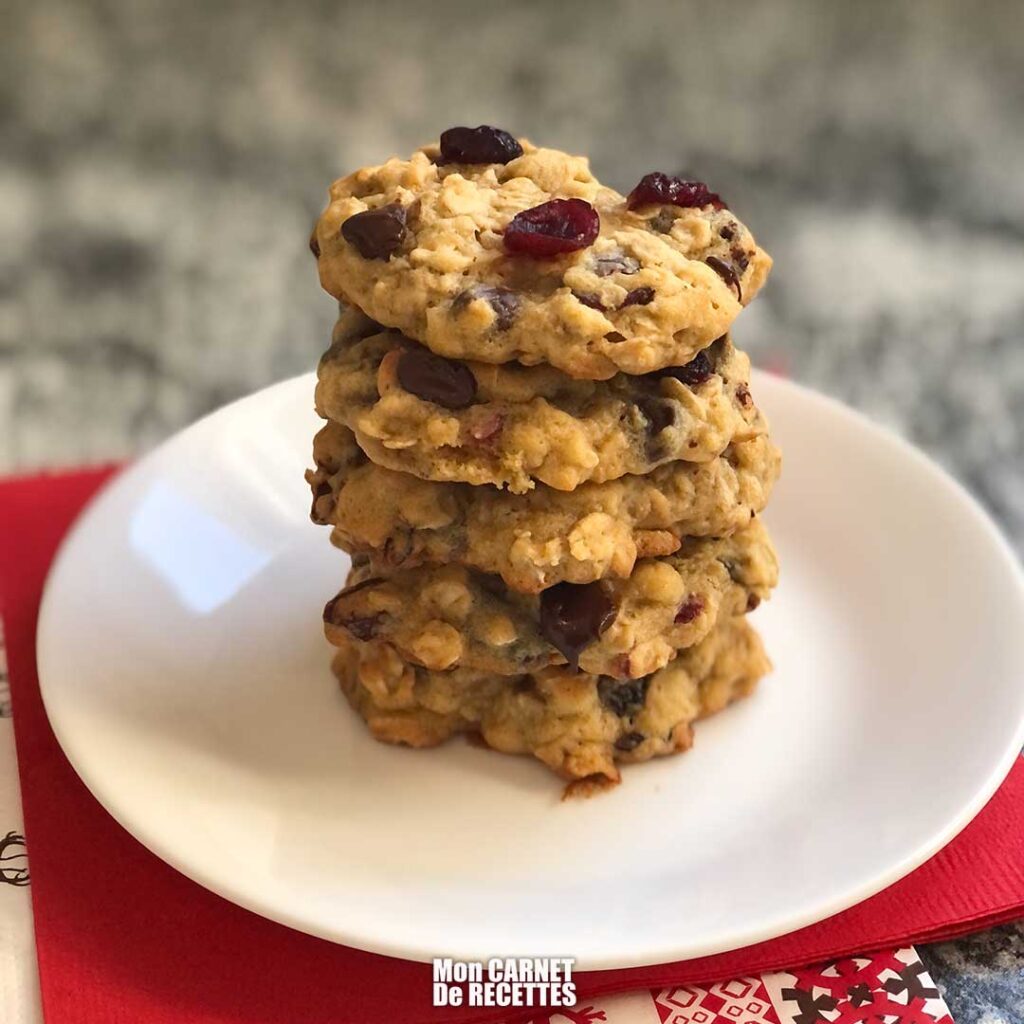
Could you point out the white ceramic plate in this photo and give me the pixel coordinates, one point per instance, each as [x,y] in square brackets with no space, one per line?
[186,676]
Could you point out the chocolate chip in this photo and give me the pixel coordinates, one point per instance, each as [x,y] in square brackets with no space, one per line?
[362,628]
[436,379]
[314,245]
[480,145]
[503,301]
[572,616]
[629,741]
[752,602]
[614,337]
[740,258]
[638,297]
[689,609]
[698,370]
[615,263]
[590,299]
[728,231]
[622,697]
[725,270]
[376,234]
[743,395]
[659,413]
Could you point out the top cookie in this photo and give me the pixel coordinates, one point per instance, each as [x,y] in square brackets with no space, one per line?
[525,255]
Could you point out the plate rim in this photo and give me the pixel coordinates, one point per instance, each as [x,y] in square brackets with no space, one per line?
[642,955]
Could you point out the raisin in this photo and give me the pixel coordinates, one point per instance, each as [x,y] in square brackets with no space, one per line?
[623,697]
[572,616]
[664,188]
[503,301]
[638,297]
[629,741]
[376,234]
[480,145]
[689,609]
[554,227]
[435,379]
[725,270]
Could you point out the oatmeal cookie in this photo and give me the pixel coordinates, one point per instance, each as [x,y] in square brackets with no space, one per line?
[537,539]
[579,725]
[512,425]
[509,252]
[450,616]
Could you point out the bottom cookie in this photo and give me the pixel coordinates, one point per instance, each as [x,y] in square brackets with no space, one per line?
[581,726]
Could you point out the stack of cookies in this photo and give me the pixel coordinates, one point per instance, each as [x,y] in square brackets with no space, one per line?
[542,453]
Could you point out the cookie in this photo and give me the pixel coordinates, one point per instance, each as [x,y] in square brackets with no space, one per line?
[513,425]
[537,539]
[449,616]
[579,725]
[528,257]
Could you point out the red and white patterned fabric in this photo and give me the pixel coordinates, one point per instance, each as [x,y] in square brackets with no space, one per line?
[877,988]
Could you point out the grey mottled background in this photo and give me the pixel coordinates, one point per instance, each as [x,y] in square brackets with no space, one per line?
[161,163]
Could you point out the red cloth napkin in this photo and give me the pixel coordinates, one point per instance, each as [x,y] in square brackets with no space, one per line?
[122,937]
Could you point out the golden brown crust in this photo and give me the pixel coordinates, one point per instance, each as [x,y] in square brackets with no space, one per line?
[579,725]
[453,247]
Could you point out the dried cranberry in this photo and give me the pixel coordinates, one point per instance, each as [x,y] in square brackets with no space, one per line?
[554,227]
[377,234]
[725,270]
[689,609]
[590,299]
[638,297]
[503,301]
[698,370]
[615,263]
[480,145]
[622,697]
[436,379]
[664,188]
[629,741]
[574,615]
